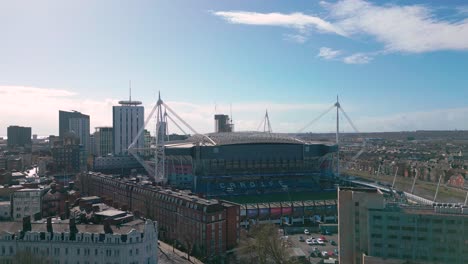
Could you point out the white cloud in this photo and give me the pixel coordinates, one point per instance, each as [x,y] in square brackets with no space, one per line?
[295,38]
[399,28]
[409,28]
[38,108]
[357,58]
[299,21]
[328,53]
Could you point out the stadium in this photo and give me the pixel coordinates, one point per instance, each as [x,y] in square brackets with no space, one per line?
[239,165]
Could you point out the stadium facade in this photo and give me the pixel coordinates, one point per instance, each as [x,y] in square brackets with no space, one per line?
[249,163]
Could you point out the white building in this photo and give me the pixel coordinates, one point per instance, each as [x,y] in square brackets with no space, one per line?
[5,210]
[66,243]
[26,202]
[128,119]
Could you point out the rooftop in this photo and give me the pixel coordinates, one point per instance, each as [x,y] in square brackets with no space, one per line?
[245,137]
[13,227]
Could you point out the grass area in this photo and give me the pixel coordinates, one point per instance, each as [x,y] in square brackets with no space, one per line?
[282,197]
[422,188]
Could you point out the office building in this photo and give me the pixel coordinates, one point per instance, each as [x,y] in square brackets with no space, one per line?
[353,206]
[61,242]
[75,122]
[103,141]
[128,119]
[223,124]
[19,137]
[374,229]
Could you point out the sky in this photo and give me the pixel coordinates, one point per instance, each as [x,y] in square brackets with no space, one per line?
[396,65]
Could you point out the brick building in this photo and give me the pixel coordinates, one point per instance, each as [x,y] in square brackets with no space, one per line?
[456,181]
[207,227]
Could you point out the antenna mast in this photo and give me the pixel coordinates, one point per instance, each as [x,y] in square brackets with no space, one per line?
[337,105]
[130,90]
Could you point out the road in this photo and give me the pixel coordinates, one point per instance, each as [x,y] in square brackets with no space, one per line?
[167,256]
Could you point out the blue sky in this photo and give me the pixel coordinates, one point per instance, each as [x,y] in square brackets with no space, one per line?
[397,65]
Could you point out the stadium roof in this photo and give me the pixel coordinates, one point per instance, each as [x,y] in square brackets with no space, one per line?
[232,138]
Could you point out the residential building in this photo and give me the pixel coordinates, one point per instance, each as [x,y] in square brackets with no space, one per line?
[209,227]
[456,181]
[56,201]
[128,119]
[116,164]
[19,137]
[5,210]
[26,202]
[103,141]
[68,154]
[75,122]
[61,242]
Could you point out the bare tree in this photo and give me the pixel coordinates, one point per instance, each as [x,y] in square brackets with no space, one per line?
[263,245]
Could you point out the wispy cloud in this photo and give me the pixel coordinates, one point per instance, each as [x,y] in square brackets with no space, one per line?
[357,58]
[405,28]
[399,28]
[328,53]
[295,38]
[294,20]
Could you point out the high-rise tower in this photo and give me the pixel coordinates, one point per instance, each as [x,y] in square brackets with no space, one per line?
[77,123]
[128,119]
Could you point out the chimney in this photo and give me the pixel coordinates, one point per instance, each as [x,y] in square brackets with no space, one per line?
[107,227]
[49,225]
[67,210]
[26,223]
[73,228]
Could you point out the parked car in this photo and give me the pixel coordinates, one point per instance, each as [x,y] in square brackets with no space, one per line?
[306,232]
[320,242]
[326,232]
[301,239]
[324,254]
[309,241]
[333,243]
[335,251]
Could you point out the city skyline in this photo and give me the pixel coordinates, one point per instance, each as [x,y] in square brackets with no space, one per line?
[292,59]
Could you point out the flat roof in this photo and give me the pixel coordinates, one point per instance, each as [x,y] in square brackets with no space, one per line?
[111,212]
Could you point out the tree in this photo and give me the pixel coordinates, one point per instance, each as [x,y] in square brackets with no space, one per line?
[263,245]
